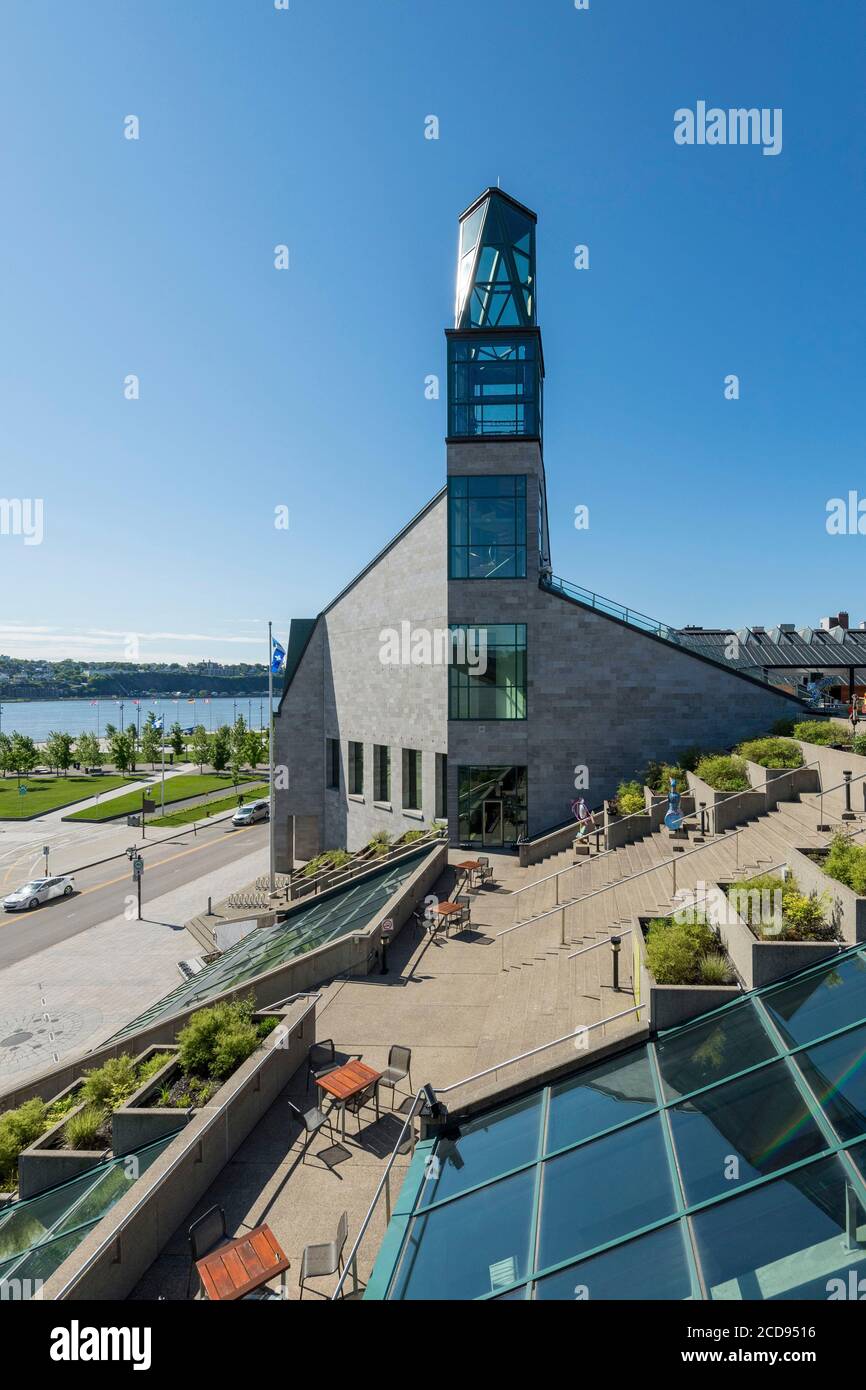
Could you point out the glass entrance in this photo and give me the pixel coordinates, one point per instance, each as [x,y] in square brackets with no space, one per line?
[492,834]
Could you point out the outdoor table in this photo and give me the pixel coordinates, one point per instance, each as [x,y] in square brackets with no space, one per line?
[348,1081]
[447,911]
[470,867]
[243,1265]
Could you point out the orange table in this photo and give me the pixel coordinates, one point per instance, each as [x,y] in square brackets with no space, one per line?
[348,1081]
[470,867]
[242,1265]
[447,911]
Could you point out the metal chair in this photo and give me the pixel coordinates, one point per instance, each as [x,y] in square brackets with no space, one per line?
[206,1234]
[312,1121]
[465,902]
[321,1058]
[355,1104]
[320,1260]
[398,1068]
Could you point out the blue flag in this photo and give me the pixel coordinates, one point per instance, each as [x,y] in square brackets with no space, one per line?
[278,656]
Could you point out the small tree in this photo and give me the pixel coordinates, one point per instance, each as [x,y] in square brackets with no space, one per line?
[121,748]
[221,748]
[89,750]
[58,751]
[200,746]
[255,750]
[151,741]
[175,738]
[5,753]
[23,755]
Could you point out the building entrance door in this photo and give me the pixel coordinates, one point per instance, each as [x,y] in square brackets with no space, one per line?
[493,824]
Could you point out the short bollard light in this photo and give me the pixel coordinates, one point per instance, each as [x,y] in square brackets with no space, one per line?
[848,813]
[616,947]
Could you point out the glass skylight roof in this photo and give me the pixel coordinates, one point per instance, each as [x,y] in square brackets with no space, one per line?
[266,948]
[725,1159]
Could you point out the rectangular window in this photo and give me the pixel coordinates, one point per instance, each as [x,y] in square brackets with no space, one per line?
[356,769]
[487,675]
[492,805]
[411,779]
[487,527]
[441,787]
[381,772]
[332,756]
[494,386]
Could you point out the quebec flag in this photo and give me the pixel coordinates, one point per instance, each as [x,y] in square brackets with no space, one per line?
[278,656]
[157,723]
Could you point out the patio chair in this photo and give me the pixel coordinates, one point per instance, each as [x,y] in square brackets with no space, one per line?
[205,1234]
[311,1121]
[465,902]
[355,1104]
[321,1059]
[399,1066]
[320,1260]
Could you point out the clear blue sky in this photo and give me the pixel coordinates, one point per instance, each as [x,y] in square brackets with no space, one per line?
[306,388]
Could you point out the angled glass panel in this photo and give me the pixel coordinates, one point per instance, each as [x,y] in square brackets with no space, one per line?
[700,1055]
[653,1266]
[484,1149]
[786,1240]
[836,1072]
[496,282]
[742,1130]
[604,1190]
[477,1245]
[821,1003]
[599,1098]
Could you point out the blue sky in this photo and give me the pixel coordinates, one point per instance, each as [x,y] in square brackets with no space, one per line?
[305,388]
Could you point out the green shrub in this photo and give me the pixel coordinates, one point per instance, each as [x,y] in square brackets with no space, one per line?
[81,1131]
[822,732]
[217,1039]
[714,969]
[380,843]
[630,798]
[411,836]
[266,1025]
[858,744]
[783,728]
[846,862]
[658,778]
[331,859]
[674,949]
[152,1066]
[772,752]
[802,916]
[109,1085]
[18,1129]
[724,772]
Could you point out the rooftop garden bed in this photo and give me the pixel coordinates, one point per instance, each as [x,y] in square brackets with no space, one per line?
[686,952]
[772,752]
[330,859]
[825,733]
[724,772]
[629,799]
[776,909]
[658,777]
[844,861]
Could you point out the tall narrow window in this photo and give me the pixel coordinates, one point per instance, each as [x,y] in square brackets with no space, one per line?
[332,758]
[441,786]
[411,779]
[381,773]
[356,769]
[487,676]
[487,527]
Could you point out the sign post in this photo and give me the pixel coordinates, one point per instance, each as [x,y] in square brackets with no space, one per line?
[138,875]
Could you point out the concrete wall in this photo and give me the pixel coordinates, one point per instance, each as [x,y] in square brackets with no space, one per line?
[343,690]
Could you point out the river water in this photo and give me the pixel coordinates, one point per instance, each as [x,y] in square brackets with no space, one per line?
[39,718]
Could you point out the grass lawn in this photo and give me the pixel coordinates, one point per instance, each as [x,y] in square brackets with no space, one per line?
[222,803]
[178,788]
[49,793]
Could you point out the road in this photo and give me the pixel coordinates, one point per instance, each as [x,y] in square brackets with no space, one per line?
[101,892]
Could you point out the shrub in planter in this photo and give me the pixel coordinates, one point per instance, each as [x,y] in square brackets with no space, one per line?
[822,731]
[331,859]
[658,778]
[629,798]
[846,862]
[793,916]
[724,773]
[675,949]
[783,728]
[713,969]
[18,1129]
[217,1039]
[380,843]
[411,836]
[772,752]
[858,744]
[110,1084]
[82,1130]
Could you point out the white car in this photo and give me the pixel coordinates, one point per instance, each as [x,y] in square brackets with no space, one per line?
[248,815]
[38,891]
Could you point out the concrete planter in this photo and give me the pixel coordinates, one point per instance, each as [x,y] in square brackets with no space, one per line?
[657,806]
[847,911]
[46,1164]
[624,830]
[726,809]
[760,962]
[783,783]
[673,1004]
[137,1122]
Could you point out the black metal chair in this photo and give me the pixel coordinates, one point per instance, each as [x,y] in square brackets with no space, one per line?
[355,1104]
[399,1067]
[311,1121]
[320,1260]
[321,1058]
[206,1234]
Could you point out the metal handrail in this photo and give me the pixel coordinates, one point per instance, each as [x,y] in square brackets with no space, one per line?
[515,892]
[627,931]
[384,1186]
[175,1163]
[533,1052]
[348,872]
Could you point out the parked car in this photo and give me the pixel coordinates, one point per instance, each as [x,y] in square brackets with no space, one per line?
[248,815]
[93,771]
[38,891]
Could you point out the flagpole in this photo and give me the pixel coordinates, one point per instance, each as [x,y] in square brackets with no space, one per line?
[271,878]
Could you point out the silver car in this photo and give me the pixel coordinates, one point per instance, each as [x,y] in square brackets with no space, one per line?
[38,891]
[248,815]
